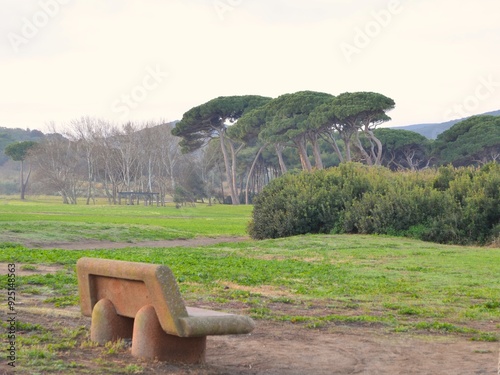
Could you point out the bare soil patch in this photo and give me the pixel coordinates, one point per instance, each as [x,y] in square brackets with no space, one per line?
[284,348]
[92,245]
[39,269]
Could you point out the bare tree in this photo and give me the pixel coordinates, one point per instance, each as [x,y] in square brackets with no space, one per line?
[59,167]
[87,132]
[95,153]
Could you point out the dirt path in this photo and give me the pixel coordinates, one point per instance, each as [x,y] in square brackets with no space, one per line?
[288,349]
[92,245]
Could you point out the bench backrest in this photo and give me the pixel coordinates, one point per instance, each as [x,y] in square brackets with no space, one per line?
[130,286]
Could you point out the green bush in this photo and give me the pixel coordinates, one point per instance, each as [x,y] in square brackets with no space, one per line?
[296,204]
[448,205]
[309,202]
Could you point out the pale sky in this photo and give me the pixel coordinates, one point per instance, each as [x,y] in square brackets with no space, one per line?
[142,60]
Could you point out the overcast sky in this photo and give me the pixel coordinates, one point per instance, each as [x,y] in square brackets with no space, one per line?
[143,60]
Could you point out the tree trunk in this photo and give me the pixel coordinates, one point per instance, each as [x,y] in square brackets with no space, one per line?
[150,175]
[347,142]
[317,154]
[234,197]
[362,150]
[24,183]
[331,139]
[304,160]
[90,174]
[251,172]
[21,179]
[409,156]
[233,169]
[378,153]
[279,151]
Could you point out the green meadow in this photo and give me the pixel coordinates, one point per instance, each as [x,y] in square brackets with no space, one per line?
[45,220]
[398,285]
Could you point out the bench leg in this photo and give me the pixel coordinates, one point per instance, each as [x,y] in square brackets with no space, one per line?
[149,341]
[107,325]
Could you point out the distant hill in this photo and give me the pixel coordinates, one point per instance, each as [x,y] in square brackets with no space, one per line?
[8,136]
[431,131]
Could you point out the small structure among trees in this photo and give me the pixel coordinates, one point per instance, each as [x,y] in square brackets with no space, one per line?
[135,197]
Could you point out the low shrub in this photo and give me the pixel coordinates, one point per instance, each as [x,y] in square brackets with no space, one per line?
[447,205]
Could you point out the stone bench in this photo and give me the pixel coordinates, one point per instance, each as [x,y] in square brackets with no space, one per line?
[142,301]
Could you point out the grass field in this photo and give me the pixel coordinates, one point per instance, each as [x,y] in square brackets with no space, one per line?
[45,220]
[399,285]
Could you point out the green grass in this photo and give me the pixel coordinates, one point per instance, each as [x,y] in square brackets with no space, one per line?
[398,283]
[39,349]
[45,221]
[316,281]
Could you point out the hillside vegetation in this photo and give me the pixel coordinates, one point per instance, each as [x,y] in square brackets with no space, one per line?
[432,130]
[9,136]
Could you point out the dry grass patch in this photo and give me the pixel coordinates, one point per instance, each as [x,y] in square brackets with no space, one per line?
[25,269]
[264,290]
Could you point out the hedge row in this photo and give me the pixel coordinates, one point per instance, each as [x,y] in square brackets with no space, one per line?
[448,205]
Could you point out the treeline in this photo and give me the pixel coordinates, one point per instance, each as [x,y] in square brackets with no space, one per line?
[299,121]
[231,147]
[446,205]
[313,130]
[96,158]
